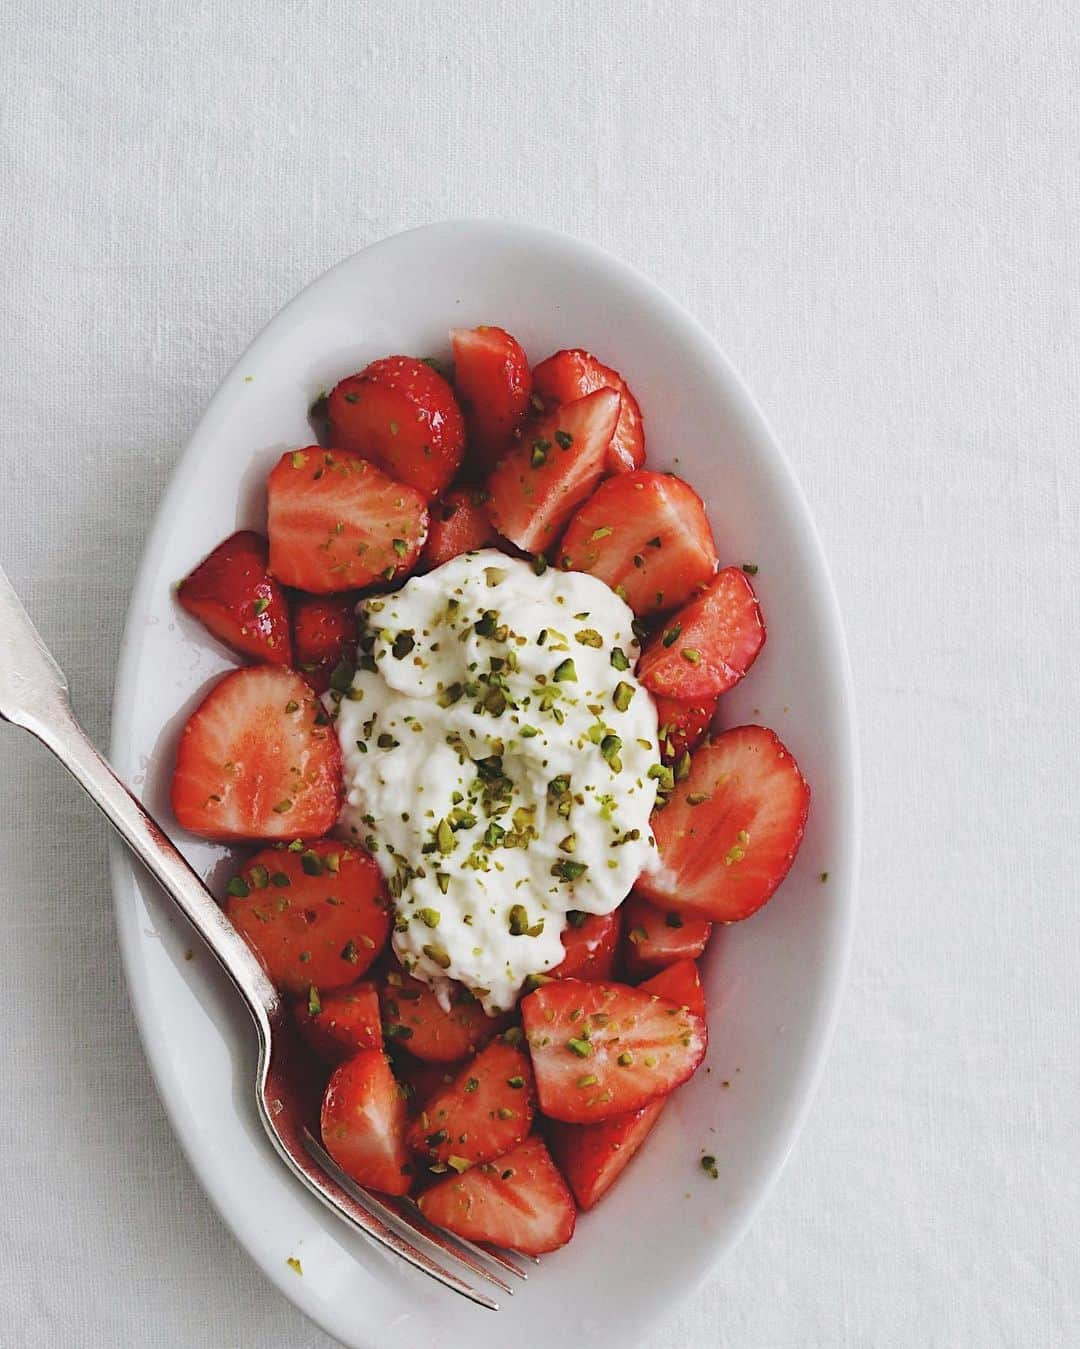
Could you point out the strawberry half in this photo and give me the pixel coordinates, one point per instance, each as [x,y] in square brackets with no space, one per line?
[363,1124]
[574,373]
[542,479]
[680,983]
[257,760]
[459,524]
[655,937]
[337,523]
[486,1111]
[339,1025]
[682,723]
[324,636]
[519,1202]
[493,383]
[234,596]
[730,832]
[592,1157]
[591,941]
[414,1019]
[316,914]
[401,413]
[601,1049]
[709,644]
[646,535]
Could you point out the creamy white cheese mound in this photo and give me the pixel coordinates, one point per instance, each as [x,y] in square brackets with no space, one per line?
[497,752]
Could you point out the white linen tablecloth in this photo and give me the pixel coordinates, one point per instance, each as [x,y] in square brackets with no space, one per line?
[875,209]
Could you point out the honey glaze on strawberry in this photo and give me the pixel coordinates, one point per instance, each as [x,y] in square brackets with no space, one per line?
[501,762]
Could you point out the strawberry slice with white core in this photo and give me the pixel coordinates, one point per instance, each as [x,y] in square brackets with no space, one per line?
[363,1123]
[729,833]
[709,645]
[542,479]
[646,535]
[493,382]
[519,1202]
[600,1049]
[572,374]
[336,522]
[257,759]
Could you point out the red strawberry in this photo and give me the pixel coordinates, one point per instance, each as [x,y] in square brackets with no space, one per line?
[519,1202]
[235,597]
[709,645]
[486,1111]
[459,524]
[590,941]
[422,1080]
[682,724]
[324,636]
[679,983]
[337,523]
[601,1049]
[415,1020]
[338,1025]
[363,1124]
[542,479]
[317,914]
[730,832]
[492,379]
[402,414]
[257,760]
[572,374]
[655,938]
[647,536]
[592,1157]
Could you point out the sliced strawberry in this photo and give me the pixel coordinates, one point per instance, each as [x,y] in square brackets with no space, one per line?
[572,374]
[591,941]
[422,1080]
[492,379]
[337,523]
[544,477]
[316,914]
[459,524]
[655,937]
[257,760]
[646,535]
[486,1111]
[730,832]
[592,1157]
[402,414]
[415,1019]
[682,724]
[601,1049]
[710,644]
[679,983]
[324,636]
[338,1025]
[363,1123]
[519,1202]
[233,595]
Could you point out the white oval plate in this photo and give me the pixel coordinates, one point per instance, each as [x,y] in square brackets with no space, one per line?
[773,982]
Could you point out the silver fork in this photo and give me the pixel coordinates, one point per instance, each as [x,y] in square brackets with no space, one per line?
[34,695]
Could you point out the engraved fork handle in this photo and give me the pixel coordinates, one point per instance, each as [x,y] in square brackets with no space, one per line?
[34,695]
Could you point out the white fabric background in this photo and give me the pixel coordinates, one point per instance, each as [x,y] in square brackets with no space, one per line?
[875,209]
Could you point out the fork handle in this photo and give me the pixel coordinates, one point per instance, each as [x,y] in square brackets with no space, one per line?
[56,726]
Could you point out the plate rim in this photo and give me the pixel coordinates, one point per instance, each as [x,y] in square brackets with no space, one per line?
[832,984]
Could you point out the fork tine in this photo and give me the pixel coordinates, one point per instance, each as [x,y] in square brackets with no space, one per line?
[341,1201]
[382,1204]
[412,1216]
